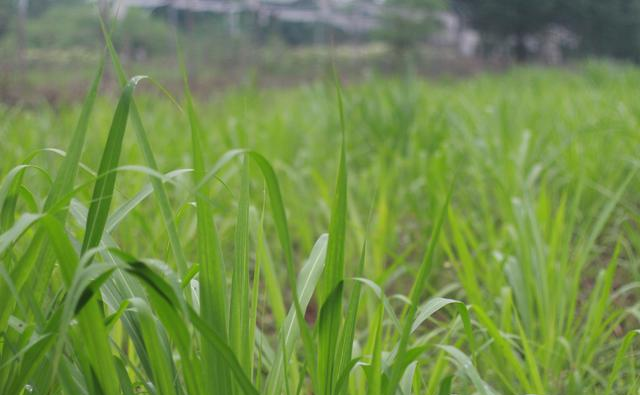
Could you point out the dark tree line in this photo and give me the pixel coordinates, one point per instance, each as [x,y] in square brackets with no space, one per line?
[602,28]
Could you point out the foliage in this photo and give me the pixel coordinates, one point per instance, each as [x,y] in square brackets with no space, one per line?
[407,23]
[66,27]
[609,28]
[139,31]
[514,20]
[7,9]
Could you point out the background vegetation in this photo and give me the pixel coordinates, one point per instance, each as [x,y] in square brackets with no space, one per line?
[40,39]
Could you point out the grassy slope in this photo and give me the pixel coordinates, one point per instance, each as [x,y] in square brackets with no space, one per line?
[540,238]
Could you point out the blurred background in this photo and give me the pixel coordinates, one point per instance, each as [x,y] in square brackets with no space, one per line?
[49,48]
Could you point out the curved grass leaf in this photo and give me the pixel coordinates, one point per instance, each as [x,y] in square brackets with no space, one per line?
[466,366]
[307,281]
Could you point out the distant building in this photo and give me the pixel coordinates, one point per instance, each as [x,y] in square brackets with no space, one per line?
[354,17]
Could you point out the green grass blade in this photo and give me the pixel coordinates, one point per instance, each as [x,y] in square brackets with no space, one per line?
[272,285]
[282,230]
[255,300]
[147,152]
[375,373]
[212,275]
[19,227]
[239,310]
[105,183]
[329,321]
[415,294]
[162,368]
[94,333]
[66,175]
[469,370]
[91,320]
[619,360]
[509,354]
[348,332]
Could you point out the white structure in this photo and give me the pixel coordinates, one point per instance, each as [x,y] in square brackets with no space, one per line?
[351,16]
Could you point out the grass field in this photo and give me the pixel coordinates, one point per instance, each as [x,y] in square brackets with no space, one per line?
[451,237]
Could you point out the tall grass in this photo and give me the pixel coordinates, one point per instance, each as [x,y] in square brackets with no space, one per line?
[482,238]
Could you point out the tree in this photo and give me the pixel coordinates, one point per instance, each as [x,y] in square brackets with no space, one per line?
[605,28]
[7,10]
[407,23]
[510,21]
